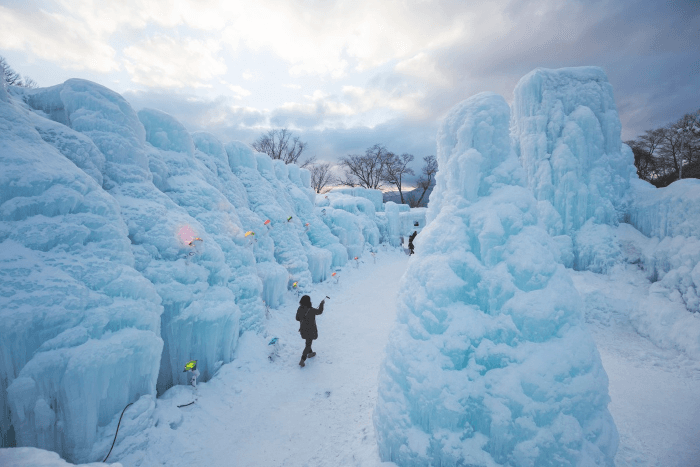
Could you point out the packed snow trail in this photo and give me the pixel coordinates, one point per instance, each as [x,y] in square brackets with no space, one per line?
[255,412]
[653,391]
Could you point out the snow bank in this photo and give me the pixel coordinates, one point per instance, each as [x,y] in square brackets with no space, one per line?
[490,362]
[567,135]
[40,458]
[666,212]
[669,315]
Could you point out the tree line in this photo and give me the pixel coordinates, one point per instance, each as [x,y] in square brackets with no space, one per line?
[377,168]
[669,153]
[12,78]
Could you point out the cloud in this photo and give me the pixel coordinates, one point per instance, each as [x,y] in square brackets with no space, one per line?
[197,113]
[238,91]
[56,37]
[163,61]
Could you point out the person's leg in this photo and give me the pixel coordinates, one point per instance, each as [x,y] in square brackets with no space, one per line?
[307,349]
[311,353]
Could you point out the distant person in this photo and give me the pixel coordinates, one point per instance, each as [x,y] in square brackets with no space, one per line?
[306,315]
[410,243]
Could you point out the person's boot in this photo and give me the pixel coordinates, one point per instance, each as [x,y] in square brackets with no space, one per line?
[310,354]
[301,363]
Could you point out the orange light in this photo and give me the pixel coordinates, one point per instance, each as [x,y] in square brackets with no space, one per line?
[267,222]
[333,274]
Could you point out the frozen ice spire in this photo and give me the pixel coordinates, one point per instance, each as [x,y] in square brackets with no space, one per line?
[490,362]
[566,132]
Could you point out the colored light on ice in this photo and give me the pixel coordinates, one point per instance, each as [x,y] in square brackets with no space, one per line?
[186,234]
[250,232]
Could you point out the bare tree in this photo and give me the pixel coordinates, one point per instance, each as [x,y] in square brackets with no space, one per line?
[688,130]
[279,144]
[426,179]
[321,176]
[667,154]
[12,78]
[396,168]
[368,171]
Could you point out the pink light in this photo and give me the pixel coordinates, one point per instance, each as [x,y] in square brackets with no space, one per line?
[186,234]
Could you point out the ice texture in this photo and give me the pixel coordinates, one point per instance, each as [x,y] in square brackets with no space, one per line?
[79,326]
[376,197]
[490,362]
[666,212]
[124,255]
[566,132]
[274,277]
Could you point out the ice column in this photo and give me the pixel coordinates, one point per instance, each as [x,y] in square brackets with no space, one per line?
[567,135]
[490,362]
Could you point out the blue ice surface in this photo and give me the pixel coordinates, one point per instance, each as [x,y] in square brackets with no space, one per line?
[124,255]
[490,362]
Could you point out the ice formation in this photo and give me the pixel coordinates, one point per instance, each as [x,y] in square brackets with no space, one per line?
[80,326]
[490,362]
[125,255]
[567,135]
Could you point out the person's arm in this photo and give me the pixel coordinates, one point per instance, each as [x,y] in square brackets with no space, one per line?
[299,316]
[320,307]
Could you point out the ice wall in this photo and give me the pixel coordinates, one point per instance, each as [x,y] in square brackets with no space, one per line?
[351,219]
[256,171]
[376,197]
[159,230]
[125,255]
[273,276]
[490,362]
[79,326]
[566,132]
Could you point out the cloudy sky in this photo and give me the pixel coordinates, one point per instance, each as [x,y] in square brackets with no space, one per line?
[344,75]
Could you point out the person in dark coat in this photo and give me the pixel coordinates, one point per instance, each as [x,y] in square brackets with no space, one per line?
[410,242]
[306,315]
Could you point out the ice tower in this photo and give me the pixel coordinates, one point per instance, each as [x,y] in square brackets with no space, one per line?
[490,362]
[566,132]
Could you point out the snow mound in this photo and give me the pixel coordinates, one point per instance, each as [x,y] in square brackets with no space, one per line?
[39,458]
[490,362]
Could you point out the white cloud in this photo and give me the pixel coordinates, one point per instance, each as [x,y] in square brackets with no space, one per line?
[238,91]
[292,86]
[422,66]
[175,63]
[368,99]
[57,38]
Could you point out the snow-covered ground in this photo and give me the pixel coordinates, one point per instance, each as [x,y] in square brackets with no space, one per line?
[654,391]
[257,412]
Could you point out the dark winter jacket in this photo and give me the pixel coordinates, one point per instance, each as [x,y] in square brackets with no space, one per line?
[411,238]
[307,321]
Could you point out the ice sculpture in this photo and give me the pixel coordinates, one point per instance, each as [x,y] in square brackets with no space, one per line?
[490,362]
[567,135]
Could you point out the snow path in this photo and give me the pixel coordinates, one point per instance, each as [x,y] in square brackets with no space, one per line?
[260,413]
[654,392]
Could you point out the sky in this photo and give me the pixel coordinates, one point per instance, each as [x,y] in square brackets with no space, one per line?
[345,75]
